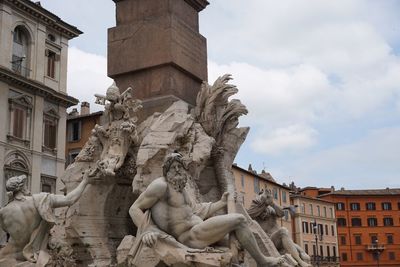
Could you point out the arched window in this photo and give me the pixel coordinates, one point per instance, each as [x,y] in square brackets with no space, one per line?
[20,52]
[15,164]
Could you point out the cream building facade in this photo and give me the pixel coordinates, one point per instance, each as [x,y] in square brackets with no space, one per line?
[314,229]
[33,94]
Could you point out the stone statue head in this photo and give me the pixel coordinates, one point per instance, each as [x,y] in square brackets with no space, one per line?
[113,94]
[16,183]
[175,171]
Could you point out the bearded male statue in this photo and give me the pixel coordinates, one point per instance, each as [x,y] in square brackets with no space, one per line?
[191,224]
[28,219]
[266,213]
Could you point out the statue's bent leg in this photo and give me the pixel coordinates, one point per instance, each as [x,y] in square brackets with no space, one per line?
[211,230]
[215,228]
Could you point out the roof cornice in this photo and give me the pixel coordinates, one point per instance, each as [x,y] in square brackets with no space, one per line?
[46,17]
[37,88]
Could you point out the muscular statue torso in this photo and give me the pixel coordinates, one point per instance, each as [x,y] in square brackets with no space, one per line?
[172,213]
[19,218]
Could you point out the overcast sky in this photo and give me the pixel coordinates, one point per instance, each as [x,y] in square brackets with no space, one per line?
[321,80]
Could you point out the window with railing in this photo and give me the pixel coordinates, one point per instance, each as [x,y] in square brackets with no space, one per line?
[20,51]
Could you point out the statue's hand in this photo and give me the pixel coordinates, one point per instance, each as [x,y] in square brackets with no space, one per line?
[224,198]
[150,239]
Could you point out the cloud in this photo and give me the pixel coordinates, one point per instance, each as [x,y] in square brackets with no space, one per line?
[294,138]
[87,75]
[367,163]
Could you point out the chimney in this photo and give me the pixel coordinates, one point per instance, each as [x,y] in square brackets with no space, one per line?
[85,108]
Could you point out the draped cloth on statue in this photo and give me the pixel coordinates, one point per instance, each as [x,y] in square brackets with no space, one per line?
[36,249]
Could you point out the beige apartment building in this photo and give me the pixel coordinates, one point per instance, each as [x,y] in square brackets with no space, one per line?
[33,94]
[314,229]
[249,184]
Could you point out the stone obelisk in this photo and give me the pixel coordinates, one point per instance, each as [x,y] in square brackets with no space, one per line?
[157,49]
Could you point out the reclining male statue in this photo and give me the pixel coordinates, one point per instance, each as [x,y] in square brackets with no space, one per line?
[190,224]
[28,218]
[266,213]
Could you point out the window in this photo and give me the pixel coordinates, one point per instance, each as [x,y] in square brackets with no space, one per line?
[341,222]
[74,132]
[360,256]
[48,184]
[303,208]
[389,239]
[306,248]
[318,211]
[19,119]
[326,229]
[312,228]
[325,215]
[320,229]
[355,206]
[242,180]
[333,230]
[20,52]
[344,256]
[340,206]
[284,196]
[392,255]
[286,215]
[331,212]
[328,251]
[256,185]
[321,251]
[388,221]
[49,132]
[275,192]
[334,251]
[51,63]
[342,240]
[72,154]
[305,227]
[374,239]
[387,206]
[355,221]
[370,206]
[314,250]
[372,222]
[20,107]
[311,209]
[357,239]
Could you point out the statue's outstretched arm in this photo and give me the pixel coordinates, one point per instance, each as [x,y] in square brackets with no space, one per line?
[72,197]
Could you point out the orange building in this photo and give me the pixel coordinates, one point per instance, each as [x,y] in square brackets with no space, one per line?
[79,129]
[368,226]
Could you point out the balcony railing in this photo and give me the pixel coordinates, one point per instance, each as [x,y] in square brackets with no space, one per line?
[375,247]
[322,260]
[17,67]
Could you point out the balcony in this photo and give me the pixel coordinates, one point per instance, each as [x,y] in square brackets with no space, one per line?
[324,260]
[17,67]
[375,247]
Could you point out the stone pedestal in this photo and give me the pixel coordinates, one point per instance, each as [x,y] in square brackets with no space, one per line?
[156,47]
